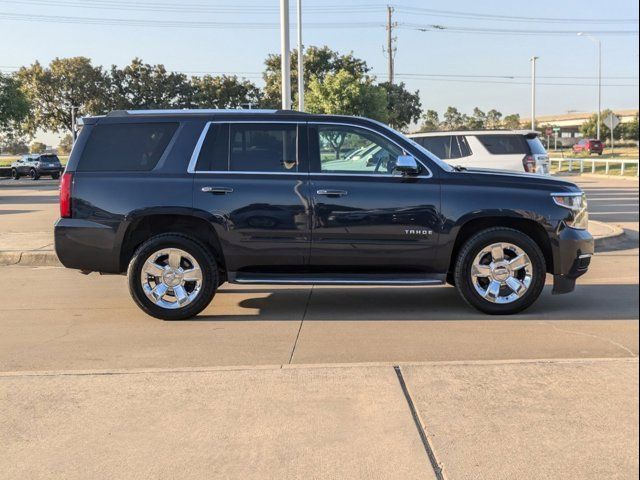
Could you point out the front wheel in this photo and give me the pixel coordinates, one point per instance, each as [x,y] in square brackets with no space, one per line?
[500,271]
[14,174]
[172,277]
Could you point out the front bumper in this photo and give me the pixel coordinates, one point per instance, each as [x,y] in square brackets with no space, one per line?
[572,252]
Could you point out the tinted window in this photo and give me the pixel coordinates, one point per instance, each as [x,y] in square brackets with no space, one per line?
[263,148]
[126,147]
[344,149]
[536,146]
[49,158]
[504,144]
[214,155]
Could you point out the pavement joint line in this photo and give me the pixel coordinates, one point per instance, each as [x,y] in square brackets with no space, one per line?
[584,334]
[240,368]
[438,469]
[304,315]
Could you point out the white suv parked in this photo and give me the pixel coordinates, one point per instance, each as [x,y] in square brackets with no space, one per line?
[516,150]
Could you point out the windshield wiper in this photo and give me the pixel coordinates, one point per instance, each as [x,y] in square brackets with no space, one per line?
[459,168]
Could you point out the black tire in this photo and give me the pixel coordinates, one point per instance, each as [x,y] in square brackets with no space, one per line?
[33,174]
[480,241]
[55,176]
[194,248]
[14,174]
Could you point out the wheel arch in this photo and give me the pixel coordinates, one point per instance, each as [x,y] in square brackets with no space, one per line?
[142,227]
[527,226]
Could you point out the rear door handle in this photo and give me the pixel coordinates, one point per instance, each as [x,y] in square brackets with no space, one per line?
[333,193]
[217,190]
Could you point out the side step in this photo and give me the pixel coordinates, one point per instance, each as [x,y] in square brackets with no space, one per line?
[335,279]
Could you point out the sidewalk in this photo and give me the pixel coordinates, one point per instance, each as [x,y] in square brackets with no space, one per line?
[36,248]
[498,420]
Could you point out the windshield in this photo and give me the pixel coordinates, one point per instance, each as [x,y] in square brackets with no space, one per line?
[441,163]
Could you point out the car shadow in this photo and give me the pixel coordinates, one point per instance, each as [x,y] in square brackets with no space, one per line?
[588,302]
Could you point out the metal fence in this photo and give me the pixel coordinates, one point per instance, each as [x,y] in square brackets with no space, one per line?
[578,164]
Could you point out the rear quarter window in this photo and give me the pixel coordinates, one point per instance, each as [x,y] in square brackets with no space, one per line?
[134,147]
[505,144]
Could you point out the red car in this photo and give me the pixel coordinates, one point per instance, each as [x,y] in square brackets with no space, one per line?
[589,146]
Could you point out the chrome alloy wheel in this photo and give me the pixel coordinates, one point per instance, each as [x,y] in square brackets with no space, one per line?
[171,278]
[502,273]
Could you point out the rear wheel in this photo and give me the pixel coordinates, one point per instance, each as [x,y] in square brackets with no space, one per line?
[33,174]
[500,271]
[55,176]
[172,277]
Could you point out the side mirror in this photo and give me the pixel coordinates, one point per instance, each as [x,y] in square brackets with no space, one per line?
[407,165]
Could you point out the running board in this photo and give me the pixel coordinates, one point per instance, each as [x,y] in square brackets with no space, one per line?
[326,279]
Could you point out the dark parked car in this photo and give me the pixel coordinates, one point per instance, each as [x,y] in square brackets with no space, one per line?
[36,165]
[183,201]
[588,146]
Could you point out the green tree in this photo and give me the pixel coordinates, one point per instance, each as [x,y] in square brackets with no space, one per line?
[630,129]
[14,105]
[318,63]
[224,92]
[347,94]
[589,128]
[493,120]
[512,122]
[53,90]
[403,107]
[37,147]
[477,120]
[454,120]
[141,85]
[430,121]
[65,145]
[14,142]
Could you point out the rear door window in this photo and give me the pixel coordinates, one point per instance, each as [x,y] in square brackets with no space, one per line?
[504,144]
[135,147]
[263,148]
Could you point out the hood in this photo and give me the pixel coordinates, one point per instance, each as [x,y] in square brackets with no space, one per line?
[486,175]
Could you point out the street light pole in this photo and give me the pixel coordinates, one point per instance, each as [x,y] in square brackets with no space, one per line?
[533,92]
[285,55]
[597,41]
[300,60]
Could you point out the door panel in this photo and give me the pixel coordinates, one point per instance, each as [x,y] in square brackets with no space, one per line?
[252,179]
[366,217]
[262,220]
[389,223]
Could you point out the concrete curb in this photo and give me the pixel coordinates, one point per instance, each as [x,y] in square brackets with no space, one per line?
[48,258]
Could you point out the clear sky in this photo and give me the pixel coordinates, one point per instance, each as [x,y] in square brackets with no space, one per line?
[448,67]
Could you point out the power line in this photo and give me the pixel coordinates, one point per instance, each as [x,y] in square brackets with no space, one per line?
[509,18]
[503,31]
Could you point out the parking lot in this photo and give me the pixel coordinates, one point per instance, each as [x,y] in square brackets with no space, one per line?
[317,382]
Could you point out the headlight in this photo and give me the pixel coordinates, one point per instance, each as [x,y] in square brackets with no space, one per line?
[576,203]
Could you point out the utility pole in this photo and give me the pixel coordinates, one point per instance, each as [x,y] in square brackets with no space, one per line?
[300,60]
[285,55]
[599,44]
[391,49]
[73,123]
[533,92]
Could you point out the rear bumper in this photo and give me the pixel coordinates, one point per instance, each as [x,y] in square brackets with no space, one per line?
[572,252]
[85,245]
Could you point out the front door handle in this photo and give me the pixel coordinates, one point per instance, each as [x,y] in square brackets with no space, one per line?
[333,193]
[217,190]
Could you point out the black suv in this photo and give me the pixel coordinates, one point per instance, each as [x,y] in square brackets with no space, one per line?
[36,165]
[183,201]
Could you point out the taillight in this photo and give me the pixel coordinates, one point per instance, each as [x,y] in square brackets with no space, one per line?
[65,195]
[529,164]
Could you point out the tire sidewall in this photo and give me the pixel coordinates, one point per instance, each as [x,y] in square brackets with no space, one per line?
[481,241]
[193,248]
